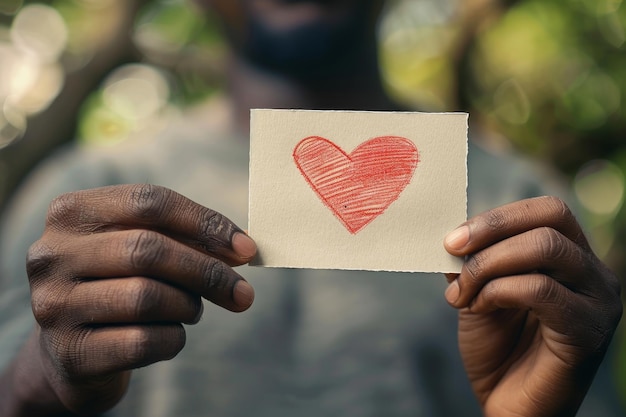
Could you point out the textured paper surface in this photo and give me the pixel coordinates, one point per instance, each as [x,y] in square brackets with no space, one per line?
[296,227]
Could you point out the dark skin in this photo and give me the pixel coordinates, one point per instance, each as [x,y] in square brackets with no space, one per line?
[537,309]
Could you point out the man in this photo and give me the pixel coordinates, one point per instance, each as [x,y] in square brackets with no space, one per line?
[119,269]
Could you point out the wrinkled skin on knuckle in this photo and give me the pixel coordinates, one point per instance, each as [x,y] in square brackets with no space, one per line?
[488,298]
[64,210]
[137,347]
[143,301]
[496,220]
[48,305]
[559,209]
[143,249]
[41,260]
[475,266]
[148,201]
[75,212]
[563,215]
[552,245]
[216,231]
[187,263]
[215,276]
[547,292]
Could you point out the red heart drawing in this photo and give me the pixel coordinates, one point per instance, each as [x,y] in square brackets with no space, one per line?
[358,187]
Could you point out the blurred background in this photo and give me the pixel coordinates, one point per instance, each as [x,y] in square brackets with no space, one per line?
[545,77]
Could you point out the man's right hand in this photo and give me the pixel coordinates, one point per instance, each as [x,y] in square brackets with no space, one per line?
[116,273]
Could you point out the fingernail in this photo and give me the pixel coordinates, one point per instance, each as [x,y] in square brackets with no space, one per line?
[243,294]
[243,245]
[458,238]
[452,292]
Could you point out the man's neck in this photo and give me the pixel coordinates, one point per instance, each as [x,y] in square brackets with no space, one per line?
[251,87]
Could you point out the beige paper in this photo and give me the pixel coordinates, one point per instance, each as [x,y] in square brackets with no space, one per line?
[357,190]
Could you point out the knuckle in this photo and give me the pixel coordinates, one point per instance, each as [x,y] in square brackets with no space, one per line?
[41,259]
[64,209]
[546,291]
[47,306]
[139,344]
[187,262]
[560,209]
[552,245]
[148,201]
[143,298]
[476,265]
[214,230]
[559,206]
[496,219]
[215,276]
[144,248]
[490,292]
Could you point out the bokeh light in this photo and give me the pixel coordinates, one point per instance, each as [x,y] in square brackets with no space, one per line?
[416,37]
[30,73]
[133,98]
[599,187]
[136,91]
[40,32]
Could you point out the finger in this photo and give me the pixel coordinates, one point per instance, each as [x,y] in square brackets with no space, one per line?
[587,325]
[547,299]
[537,292]
[95,351]
[500,223]
[130,300]
[543,249]
[451,276]
[145,253]
[155,208]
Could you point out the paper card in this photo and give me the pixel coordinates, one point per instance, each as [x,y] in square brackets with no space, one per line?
[357,190]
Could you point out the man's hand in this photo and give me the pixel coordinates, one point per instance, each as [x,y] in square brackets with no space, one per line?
[537,308]
[116,273]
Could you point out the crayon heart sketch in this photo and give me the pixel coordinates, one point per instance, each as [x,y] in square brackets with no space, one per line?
[360,186]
